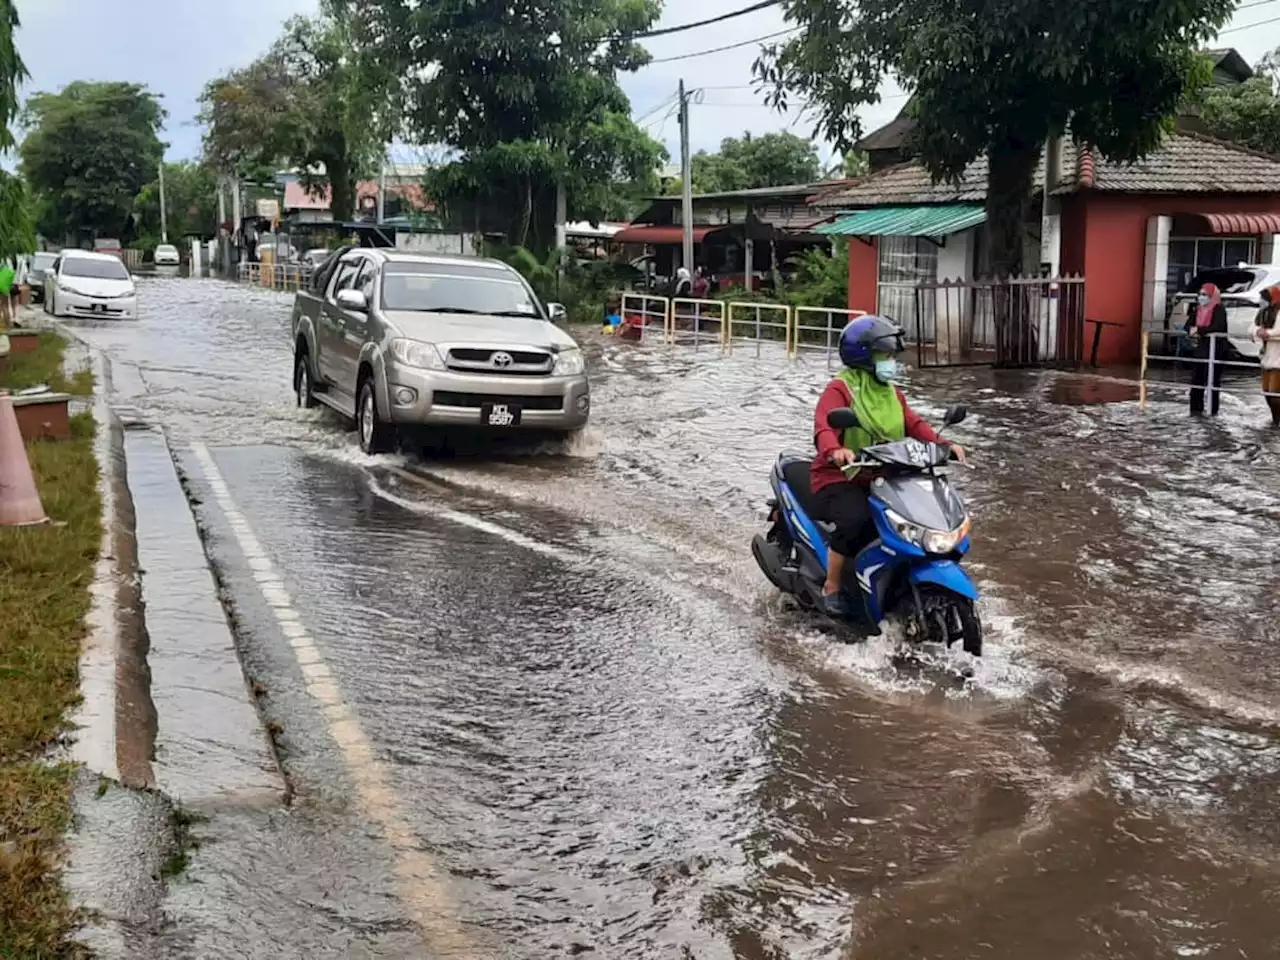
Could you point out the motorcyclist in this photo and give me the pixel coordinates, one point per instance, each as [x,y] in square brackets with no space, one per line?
[868,349]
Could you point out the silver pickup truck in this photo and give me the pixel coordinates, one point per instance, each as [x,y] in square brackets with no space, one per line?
[392,339]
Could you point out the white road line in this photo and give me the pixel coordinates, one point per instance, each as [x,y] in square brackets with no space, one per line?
[422,884]
[465,519]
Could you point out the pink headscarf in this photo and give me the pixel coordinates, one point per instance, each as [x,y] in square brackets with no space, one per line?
[1204,314]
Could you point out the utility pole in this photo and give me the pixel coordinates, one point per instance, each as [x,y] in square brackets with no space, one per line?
[686,182]
[164,222]
[224,243]
[382,191]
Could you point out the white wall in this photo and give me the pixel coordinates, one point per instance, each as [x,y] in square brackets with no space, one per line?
[952,312]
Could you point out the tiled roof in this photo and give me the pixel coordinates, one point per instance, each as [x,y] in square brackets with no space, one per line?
[1186,163]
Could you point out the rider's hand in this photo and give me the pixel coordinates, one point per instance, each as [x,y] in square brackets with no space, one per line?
[843,457]
[959,453]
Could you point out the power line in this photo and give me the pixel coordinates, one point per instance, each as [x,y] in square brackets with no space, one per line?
[664,31]
[1256,3]
[732,46]
[1249,26]
[660,104]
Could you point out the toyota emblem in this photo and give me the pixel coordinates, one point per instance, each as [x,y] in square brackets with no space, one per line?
[502,360]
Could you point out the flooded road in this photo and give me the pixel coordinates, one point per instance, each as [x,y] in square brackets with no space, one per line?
[607,736]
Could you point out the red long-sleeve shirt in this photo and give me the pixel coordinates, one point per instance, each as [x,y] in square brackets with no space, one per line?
[823,473]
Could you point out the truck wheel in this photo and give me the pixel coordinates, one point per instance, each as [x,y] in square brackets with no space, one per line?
[302,383]
[376,436]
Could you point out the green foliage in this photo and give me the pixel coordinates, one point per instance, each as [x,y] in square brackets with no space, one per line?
[191,199]
[819,278]
[772,160]
[17,219]
[89,150]
[12,71]
[1246,113]
[997,78]
[526,97]
[307,104]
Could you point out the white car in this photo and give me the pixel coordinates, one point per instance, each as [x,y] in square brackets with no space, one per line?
[1241,289]
[93,285]
[167,255]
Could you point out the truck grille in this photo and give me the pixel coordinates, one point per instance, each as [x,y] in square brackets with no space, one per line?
[511,363]
[474,401]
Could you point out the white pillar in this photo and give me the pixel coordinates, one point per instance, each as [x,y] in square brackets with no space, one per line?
[1155,272]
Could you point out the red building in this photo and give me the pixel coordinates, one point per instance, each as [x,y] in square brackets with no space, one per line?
[1137,232]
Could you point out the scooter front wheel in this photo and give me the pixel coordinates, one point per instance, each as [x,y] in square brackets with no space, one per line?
[947,619]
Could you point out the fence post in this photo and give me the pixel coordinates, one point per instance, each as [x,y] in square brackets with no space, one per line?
[1209,381]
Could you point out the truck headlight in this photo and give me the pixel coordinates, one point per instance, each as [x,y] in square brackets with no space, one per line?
[569,363]
[415,353]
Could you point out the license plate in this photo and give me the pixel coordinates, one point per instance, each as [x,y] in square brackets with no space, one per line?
[500,415]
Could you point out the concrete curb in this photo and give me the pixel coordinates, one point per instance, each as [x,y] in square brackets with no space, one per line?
[140,763]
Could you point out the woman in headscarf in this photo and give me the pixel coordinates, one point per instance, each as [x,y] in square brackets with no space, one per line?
[683,286]
[1210,317]
[1267,329]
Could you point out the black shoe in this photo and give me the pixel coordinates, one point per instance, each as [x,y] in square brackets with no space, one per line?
[835,605]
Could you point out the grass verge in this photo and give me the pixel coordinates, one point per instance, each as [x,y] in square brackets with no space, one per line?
[44,365]
[45,575]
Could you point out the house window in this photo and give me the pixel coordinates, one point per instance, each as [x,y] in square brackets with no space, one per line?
[1189,256]
[905,263]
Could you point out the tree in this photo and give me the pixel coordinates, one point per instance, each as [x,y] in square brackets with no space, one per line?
[88,151]
[998,78]
[307,104]
[1247,113]
[771,160]
[191,199]
[17,229]
[527,98]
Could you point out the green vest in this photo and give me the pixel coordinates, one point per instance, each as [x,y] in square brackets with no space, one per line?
[881,415]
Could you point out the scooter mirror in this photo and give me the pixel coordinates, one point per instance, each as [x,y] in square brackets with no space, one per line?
[954,415]
[842,418]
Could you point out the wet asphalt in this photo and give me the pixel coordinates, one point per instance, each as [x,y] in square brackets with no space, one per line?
[603,735]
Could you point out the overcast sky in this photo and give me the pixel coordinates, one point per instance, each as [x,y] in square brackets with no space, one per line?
[175,46]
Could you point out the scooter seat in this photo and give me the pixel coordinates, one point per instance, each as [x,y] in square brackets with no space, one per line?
[796,474]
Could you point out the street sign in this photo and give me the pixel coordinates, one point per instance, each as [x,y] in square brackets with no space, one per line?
[268,209]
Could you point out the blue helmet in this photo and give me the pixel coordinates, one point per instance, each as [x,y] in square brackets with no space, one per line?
[867,335]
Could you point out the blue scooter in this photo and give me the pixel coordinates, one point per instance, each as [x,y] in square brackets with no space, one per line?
[910,568]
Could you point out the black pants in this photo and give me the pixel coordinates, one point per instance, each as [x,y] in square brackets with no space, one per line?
[1199,382]
[845,505]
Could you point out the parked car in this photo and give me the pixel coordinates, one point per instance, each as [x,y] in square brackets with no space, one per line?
[1241,289]
[109,245]
[37,268]
[81,283]
[166,255]
[316,256]
[394,339]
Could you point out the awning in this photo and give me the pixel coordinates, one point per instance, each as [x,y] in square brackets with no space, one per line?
[659,235]
[1252,224]
[936,221]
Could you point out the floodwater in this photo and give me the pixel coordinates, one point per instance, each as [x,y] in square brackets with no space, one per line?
[619,742]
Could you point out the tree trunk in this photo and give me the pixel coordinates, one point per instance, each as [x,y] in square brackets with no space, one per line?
[1010,180]
[342,186]
[526,212]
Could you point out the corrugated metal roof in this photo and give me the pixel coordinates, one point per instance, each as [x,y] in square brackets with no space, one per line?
[939,221]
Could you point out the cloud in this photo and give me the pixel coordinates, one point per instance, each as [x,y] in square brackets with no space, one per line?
[173,46]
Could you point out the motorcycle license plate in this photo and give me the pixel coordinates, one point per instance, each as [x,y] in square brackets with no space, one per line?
[500,415]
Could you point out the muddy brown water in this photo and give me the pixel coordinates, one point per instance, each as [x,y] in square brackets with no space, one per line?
[644,752]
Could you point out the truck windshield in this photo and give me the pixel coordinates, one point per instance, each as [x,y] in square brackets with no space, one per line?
[455,288]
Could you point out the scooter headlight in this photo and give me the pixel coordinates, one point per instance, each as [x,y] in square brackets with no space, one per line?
[940,541]
[913,533]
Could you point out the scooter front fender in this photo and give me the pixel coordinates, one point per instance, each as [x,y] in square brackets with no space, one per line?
[946,574]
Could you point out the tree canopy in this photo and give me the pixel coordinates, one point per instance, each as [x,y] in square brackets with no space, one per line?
[997,78]
[191,199]
[526,96]
[771,160]
[1247,113]
[88,151]
[307,104]
[17,231]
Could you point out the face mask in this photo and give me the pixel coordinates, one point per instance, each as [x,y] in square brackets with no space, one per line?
[1203,299]
[886,370]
